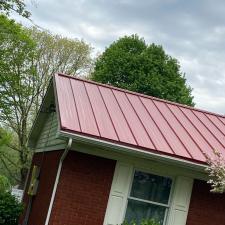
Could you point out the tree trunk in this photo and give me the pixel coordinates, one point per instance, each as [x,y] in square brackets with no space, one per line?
[23,176]
[24,154]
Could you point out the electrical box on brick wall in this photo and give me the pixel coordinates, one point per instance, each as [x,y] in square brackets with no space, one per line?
[32,190]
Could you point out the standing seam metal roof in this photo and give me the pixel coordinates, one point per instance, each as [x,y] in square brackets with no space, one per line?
[133,119]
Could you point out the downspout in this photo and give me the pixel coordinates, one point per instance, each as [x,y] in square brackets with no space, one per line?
[57,179]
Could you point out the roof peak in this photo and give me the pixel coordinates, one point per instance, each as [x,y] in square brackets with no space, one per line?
[139,94]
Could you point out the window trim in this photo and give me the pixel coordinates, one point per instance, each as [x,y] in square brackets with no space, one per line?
[167,206]
[149,202]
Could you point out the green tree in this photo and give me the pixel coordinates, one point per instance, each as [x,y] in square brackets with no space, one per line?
[4,184]
[18,80]
[9,158]
[132,64]
[18,6]
[28,59]
[58,54]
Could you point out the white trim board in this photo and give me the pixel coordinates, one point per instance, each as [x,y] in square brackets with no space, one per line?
[116,151]
[143,162]
[51,148]
[140,160]
[134,151]
[165,168]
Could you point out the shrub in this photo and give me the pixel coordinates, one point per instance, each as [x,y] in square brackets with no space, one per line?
[10,209]
[143,222]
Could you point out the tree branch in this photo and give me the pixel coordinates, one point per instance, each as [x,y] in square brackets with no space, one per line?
[8,170]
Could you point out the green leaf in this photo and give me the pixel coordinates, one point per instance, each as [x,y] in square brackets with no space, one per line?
[131,64]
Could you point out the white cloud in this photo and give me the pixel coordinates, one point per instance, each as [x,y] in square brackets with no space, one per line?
[191,31]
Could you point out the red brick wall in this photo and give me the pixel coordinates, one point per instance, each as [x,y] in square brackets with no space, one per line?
[83,190]
[49,164]
[206,208]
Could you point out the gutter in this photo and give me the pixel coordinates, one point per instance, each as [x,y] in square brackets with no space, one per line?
[68,147]
[135,151]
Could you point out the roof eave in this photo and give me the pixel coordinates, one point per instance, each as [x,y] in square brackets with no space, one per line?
[134,151]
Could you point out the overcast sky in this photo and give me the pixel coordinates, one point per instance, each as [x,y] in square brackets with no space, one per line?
[189,30]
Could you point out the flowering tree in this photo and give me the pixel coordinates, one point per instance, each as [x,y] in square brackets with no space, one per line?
[216,171]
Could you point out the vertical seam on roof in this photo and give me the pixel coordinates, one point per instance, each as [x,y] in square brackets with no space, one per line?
[124,117]
[108,113]
[173,130]
[157,126]
[196,129]
[215,123]
[208,129]
[185,129]
[140,121]
[141,95]
[221,120]
[75,104]
[92,109]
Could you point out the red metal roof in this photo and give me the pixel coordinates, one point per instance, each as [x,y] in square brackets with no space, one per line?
[140,121]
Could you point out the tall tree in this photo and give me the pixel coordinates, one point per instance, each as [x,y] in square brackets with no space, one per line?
[18,6]
[9,159]
[59,54]
[18,80]
[132,64]
[28,58]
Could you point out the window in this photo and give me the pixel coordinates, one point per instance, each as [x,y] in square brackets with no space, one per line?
[149,198]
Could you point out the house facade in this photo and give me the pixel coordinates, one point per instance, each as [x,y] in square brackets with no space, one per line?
[105,155]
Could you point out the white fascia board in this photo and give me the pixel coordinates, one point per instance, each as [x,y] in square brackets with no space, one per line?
[50,148]
[134,151]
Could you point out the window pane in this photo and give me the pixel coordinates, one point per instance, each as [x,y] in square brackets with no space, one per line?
[151,187]
[138,211]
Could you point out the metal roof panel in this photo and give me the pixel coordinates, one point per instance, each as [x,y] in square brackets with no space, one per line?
[133,119]
[103,119]
[67,108]
[85,113]
[118,119]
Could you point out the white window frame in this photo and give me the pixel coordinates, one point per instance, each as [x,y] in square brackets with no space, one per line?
[179,199]
[167,206]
